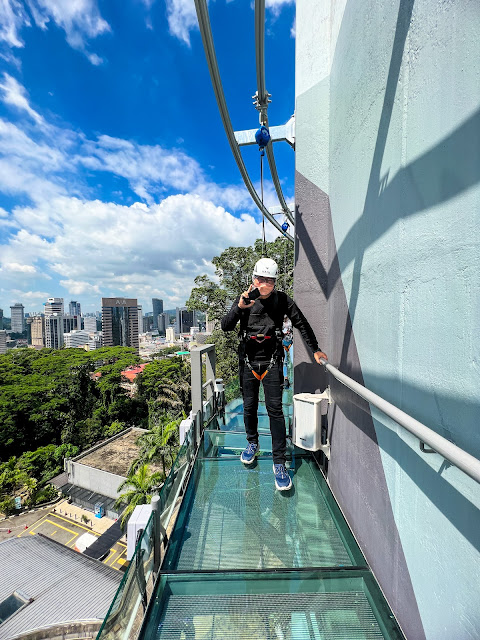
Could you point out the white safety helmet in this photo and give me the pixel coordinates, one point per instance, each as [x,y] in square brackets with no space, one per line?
[265,267]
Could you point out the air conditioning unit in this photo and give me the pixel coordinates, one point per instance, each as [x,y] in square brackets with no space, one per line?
[307,421]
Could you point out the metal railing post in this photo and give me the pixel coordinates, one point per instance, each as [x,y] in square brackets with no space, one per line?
[210,365]
[196,378]
[157,534]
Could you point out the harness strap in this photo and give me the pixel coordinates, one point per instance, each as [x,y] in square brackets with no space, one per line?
[259,376]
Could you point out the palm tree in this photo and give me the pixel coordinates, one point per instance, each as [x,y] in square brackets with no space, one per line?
[144,484]
[160,442]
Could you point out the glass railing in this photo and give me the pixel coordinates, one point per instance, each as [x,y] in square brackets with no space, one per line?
[124,618]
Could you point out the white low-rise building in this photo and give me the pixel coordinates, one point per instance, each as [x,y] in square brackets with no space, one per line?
[76,339]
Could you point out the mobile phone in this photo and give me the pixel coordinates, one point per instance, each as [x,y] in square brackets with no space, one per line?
[253,295]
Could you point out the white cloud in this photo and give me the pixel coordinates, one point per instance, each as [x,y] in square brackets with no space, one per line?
[277,5]
[93,248]
[77,287]
[12,17]
[182,18]
[80,20]
[20,268]
[137,251]
[15,94]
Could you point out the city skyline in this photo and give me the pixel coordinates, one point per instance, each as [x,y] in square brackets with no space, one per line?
[116,177]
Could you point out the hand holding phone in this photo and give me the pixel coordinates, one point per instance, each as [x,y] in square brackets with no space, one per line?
[248,297]
[253,295]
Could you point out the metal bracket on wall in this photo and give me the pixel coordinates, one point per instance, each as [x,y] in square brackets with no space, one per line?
[326,395]
[423,449]
[325,449]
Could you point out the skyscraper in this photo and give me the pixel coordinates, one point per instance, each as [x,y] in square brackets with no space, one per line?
[163,323]
[1,319]
[18,317]
[120,322]
[140,319]
[75,308]
[185,320]
[157,310]
[54,323]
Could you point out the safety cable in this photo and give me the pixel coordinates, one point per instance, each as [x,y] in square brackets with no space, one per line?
[262,98]
[264,250]
[206,33]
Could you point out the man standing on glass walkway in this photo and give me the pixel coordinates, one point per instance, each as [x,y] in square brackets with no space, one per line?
[261,311]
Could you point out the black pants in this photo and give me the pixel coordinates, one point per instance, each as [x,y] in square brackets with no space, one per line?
[273,387]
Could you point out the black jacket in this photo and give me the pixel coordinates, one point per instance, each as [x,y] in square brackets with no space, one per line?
[266,317]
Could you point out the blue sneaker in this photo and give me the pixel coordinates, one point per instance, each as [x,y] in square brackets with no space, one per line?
[283,482]
[248,456]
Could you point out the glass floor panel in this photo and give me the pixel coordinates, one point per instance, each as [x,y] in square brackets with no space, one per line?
[233,517]
[296,606]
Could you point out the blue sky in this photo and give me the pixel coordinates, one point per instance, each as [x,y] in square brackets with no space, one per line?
[115,174]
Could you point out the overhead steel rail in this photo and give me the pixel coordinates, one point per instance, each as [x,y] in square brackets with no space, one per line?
[263,100]
[206,32]
[457,456]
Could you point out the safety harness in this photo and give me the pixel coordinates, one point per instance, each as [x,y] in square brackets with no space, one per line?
[259,338]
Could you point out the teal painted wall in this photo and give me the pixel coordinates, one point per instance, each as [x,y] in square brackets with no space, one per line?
[388,127]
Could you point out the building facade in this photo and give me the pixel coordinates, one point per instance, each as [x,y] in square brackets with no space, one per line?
[76,339]
[89,323]
[120,322]
[3,341]
[74,308]
[1,319]
[170,335]
[54,326]
[37,328]
[17,317]
[185,320]
[387,195]
[157,305]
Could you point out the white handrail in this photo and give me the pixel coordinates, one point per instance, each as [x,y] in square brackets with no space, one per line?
[457,456]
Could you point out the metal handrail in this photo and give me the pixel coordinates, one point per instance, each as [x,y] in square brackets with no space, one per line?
[262,97]
[457,456]
[206,33]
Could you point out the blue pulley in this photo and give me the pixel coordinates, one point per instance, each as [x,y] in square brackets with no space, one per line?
[262,137]
[285,226]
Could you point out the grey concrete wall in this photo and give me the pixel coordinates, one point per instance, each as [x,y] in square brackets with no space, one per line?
[387,270]
[93,479]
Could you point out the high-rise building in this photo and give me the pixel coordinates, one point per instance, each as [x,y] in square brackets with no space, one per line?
[185,320]
[157,310]
[140,319]
[18,317]
[54,328]
[3,342]
[71,323]
[163,322]
[37,328]
[54,305]
[120,322]
[1,319]
[90,323]
[74,308]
